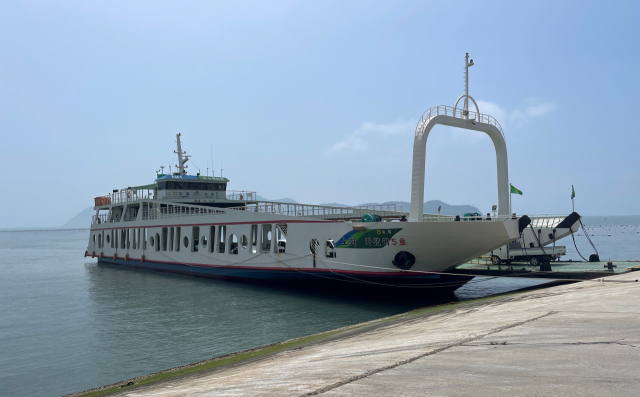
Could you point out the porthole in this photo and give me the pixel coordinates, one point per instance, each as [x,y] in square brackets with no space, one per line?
[186,242]
[203,239]
[108,239]
[151,240]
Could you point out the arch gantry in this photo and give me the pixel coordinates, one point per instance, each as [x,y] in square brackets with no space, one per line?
[453,117]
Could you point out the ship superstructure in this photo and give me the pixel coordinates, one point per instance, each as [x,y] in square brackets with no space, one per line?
[193,224]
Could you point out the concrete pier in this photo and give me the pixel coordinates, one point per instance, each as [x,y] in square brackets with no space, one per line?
[576,339]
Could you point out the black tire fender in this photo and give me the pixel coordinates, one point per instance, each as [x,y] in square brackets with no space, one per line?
[404,260]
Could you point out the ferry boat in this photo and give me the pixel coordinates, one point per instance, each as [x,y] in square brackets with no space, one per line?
[193,224]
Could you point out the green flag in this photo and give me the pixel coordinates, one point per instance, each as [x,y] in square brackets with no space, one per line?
[573,192]
[515,190]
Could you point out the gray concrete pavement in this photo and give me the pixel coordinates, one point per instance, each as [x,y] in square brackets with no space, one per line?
[574,340]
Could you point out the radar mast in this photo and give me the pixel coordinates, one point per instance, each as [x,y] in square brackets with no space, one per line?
[181,159]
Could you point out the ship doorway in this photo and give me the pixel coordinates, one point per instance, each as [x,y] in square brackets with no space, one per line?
[265,238]
[233,244]
[222,239]
[165,238]
[254,239]
[212,235]
[281,238]
[195,238]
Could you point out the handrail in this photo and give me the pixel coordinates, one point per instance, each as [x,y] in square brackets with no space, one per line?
[444,110]
[241,195]
[163,210]
[321,211]
[125,195]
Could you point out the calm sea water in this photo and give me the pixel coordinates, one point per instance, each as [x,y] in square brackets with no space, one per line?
[67,324]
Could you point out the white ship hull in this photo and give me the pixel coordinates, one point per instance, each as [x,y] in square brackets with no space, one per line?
[167,243]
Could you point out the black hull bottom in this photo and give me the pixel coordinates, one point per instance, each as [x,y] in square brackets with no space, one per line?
[318,280]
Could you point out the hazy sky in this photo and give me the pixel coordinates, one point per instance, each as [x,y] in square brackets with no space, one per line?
[317,101]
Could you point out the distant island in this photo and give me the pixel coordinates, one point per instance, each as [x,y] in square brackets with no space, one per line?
[83,219]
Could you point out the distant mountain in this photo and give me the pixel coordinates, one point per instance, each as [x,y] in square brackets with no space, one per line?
[282,200]
[431,207]
[82,220]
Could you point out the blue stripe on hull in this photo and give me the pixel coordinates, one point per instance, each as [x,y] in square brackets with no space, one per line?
[283,276]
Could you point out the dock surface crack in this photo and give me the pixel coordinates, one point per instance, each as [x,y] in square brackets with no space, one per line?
[429,353]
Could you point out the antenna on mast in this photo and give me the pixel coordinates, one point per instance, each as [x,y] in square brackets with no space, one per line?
[162,168]
[467,64]
[181,159]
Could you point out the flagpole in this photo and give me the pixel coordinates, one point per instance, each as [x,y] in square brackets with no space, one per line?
[510,199]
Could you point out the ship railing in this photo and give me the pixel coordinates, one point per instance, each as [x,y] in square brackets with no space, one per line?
[104,218]
[455,218]
[241,195]
[444,110]
[537,221]
[546,220]
[179,211]
[125,195]
[131,214]
[320,211]
[161,210]
[382,207]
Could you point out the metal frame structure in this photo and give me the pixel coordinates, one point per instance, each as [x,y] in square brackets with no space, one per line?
[464,119]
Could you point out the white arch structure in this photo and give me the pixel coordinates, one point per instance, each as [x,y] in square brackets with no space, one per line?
[460,118]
